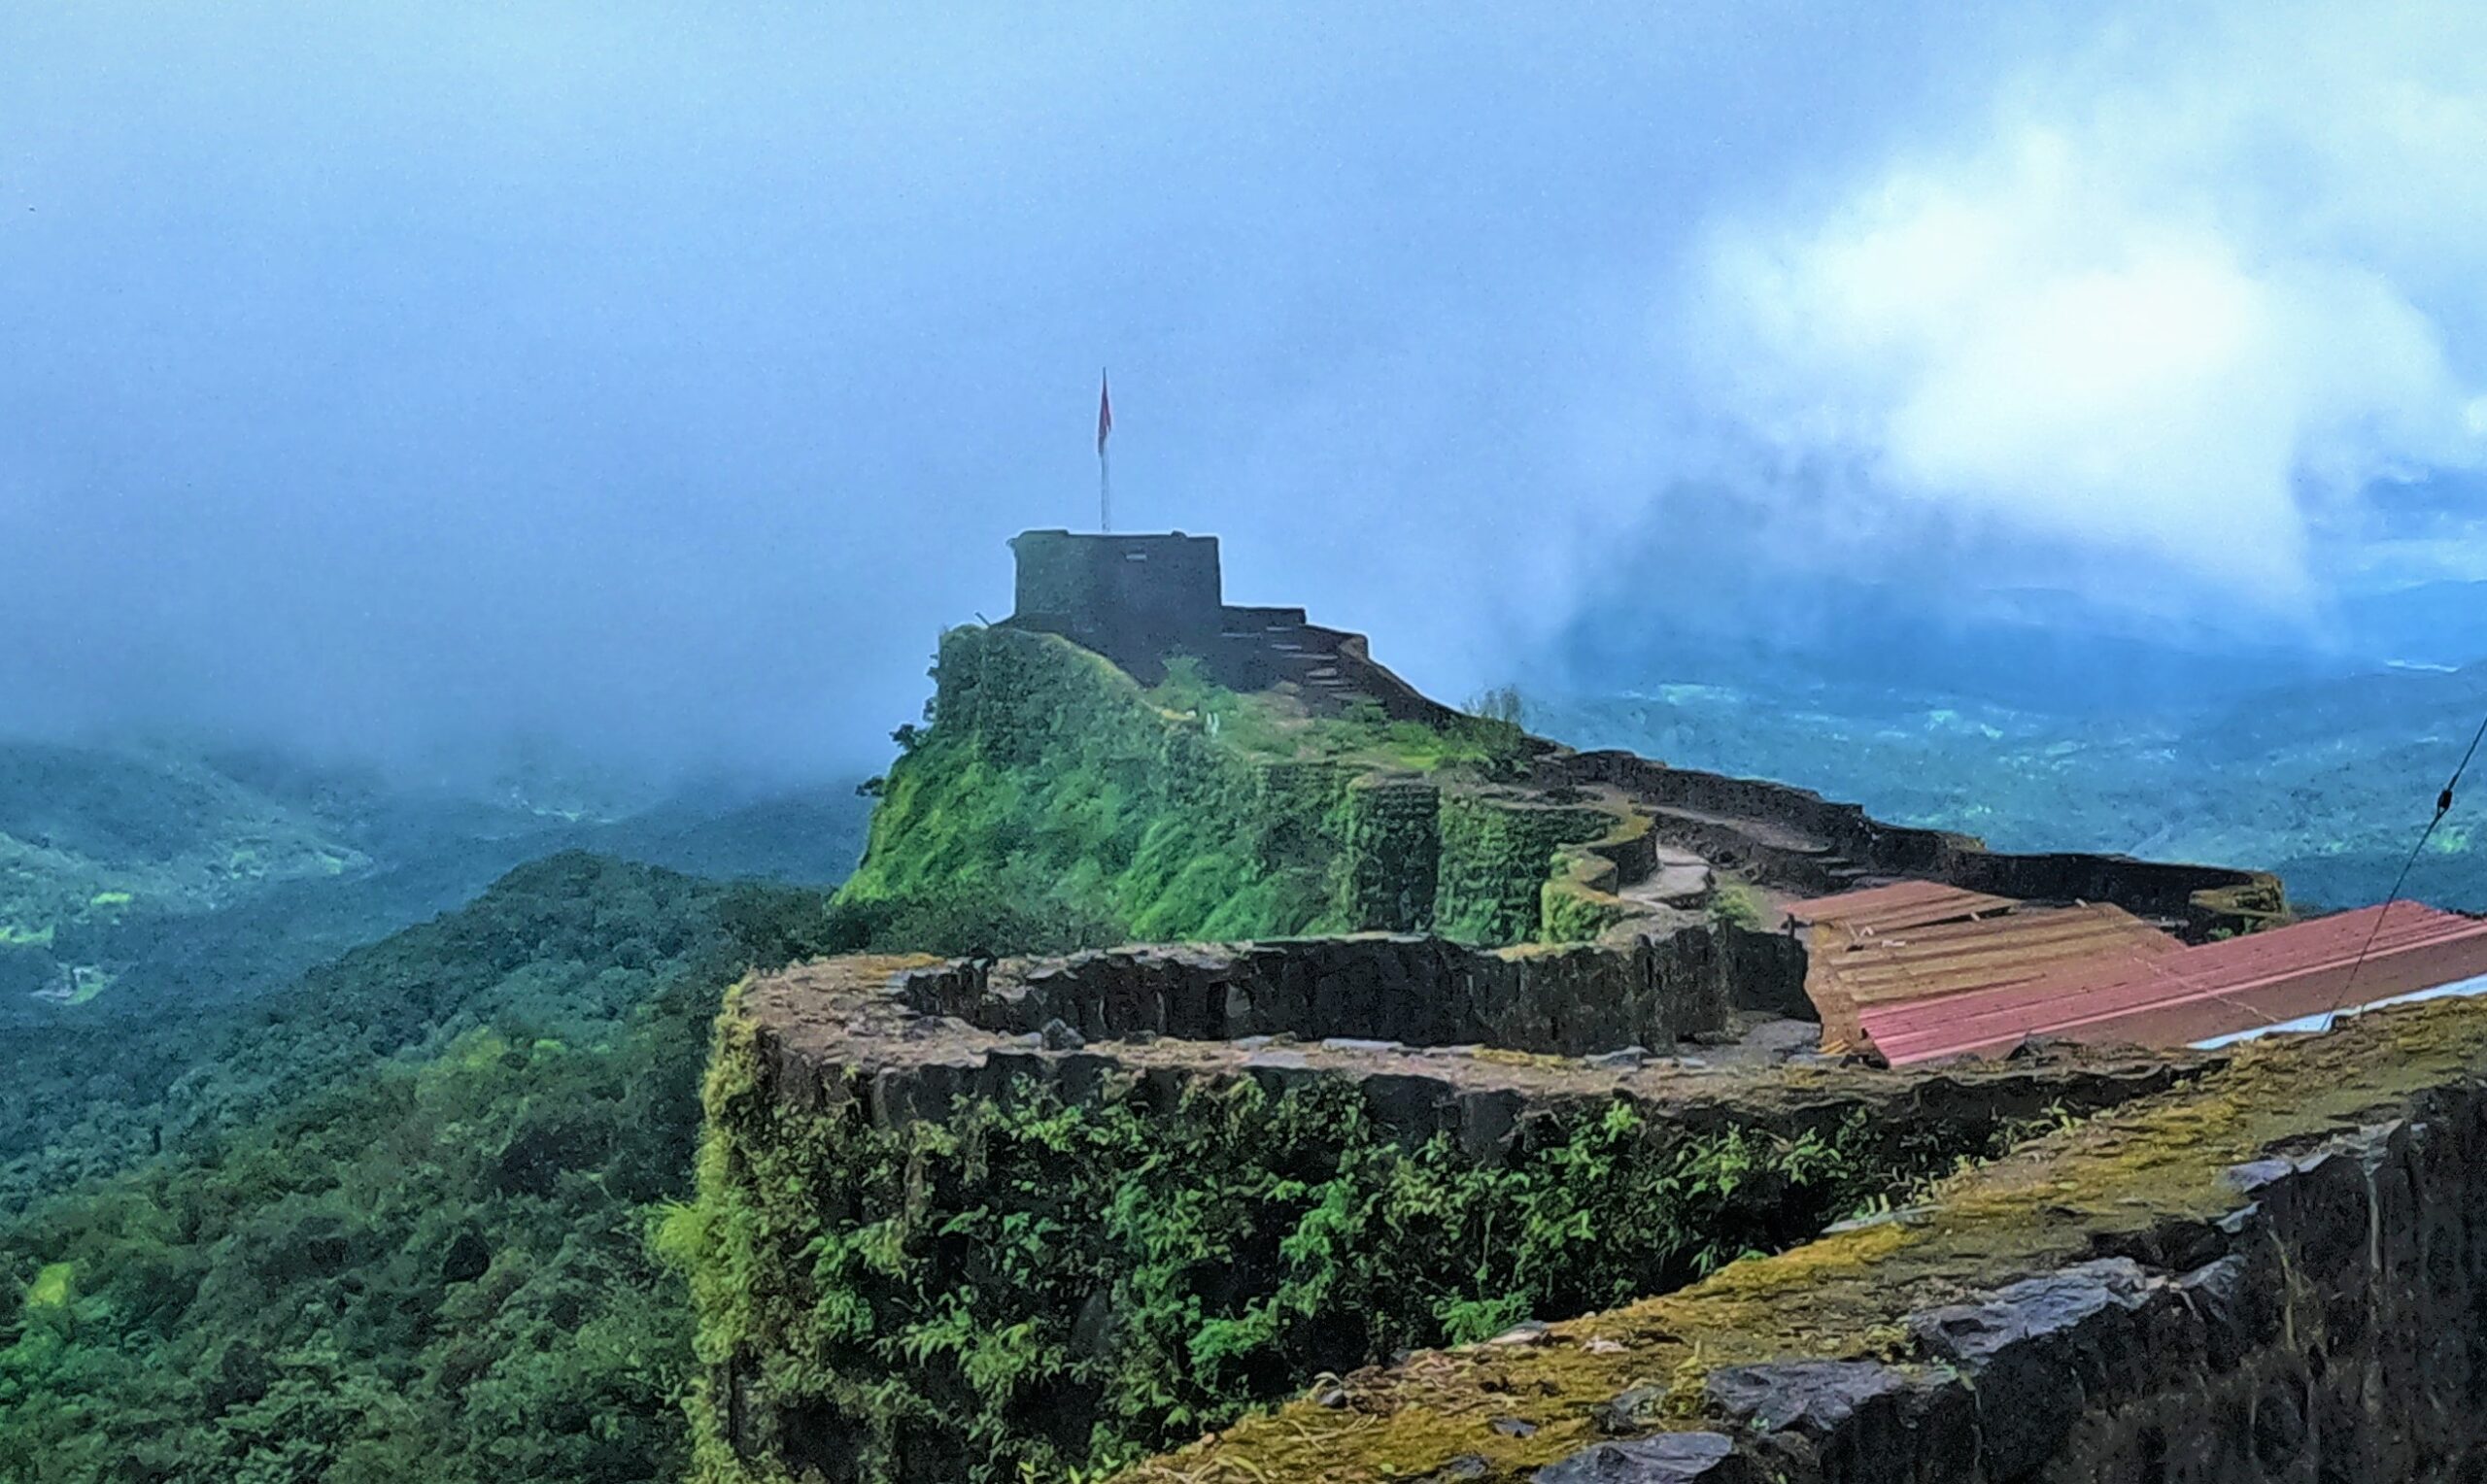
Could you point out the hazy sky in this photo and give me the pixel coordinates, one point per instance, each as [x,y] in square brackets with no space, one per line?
[659,380]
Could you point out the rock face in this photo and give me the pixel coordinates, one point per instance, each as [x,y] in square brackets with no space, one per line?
[2336,1330]
[1670,1458]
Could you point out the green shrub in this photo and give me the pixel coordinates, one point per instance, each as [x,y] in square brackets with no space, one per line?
[1736,904]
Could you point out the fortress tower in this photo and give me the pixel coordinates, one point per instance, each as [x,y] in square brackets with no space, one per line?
[1139,599]
[1134,599]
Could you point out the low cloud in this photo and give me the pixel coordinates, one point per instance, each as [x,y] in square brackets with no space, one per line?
[2198,293]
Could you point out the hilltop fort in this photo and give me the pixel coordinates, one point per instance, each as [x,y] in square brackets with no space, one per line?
[1704,1128]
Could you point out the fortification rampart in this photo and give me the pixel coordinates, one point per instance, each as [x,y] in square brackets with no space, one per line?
[986,1218]
[1139,599]
[1571,999]
[1794,835]
[1136,599]
[892,1158]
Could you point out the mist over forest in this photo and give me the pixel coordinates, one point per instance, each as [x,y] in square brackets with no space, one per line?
[649,387]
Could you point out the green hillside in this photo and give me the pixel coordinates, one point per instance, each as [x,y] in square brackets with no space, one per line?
[1054,802]
[95,841]
[397,1232]
[137,884]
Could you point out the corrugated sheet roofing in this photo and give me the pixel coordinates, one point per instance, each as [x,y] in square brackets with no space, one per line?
[2196,994]
[1901,904]
[1852,971]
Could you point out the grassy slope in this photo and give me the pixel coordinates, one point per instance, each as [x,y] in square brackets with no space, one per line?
[1056,804]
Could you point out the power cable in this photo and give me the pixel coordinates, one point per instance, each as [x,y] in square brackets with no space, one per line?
[2443,806]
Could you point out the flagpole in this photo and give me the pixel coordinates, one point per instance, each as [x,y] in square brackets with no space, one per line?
[1104,469]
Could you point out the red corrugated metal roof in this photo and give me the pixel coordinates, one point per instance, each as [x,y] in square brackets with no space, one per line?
[1848,972]
[2197,994]
[1901,904]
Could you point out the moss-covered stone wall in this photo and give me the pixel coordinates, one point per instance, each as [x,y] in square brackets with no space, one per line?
[1497,853]
[1394,852]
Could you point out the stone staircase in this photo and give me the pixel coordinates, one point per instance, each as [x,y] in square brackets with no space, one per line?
[1329,668]
[1767,850]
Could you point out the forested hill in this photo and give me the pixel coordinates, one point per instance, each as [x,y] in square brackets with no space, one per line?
[560,947]
[398,1227]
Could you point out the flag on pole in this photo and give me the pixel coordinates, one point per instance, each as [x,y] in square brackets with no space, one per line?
[1104,413]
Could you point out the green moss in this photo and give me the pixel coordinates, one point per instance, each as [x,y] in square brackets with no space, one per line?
[1736,904]
[1050,777]
[1496,856]
[1578,903]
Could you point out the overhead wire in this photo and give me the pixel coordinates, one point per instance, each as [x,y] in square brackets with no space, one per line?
[2443,806]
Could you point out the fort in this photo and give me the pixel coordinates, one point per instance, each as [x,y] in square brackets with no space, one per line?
[1555,1137]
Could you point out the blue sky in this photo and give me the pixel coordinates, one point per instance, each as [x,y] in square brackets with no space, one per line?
[659,380]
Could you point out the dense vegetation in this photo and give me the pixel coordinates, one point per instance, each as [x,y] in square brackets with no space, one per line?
[1033,1290]
[398,1229]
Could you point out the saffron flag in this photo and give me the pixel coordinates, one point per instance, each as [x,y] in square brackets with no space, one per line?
[1105,414]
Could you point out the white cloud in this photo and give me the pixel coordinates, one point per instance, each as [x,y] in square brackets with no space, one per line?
[2192,294]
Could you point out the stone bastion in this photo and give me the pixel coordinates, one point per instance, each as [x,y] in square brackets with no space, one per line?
[883,1130]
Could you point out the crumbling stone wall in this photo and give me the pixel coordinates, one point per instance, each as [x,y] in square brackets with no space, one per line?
[1571,999]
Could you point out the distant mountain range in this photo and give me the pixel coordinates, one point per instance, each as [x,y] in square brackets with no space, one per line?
[134,877]
[2044,650]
